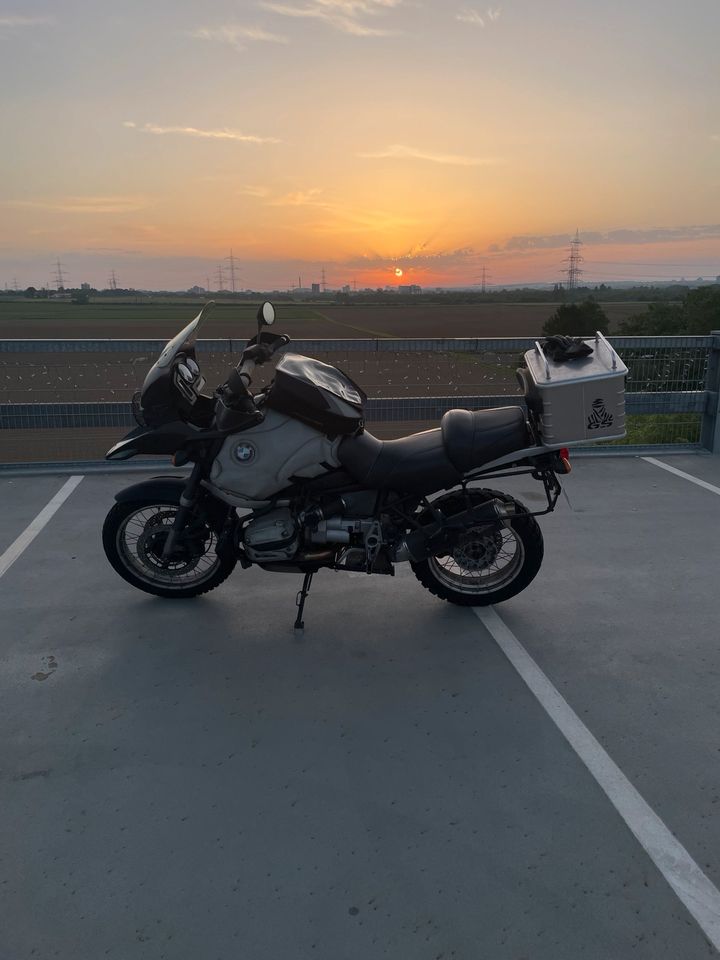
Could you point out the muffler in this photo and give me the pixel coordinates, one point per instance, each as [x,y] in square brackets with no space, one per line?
[438,536]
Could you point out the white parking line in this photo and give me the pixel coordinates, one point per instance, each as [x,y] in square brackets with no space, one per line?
[681,473]
[695,890]
[36,525]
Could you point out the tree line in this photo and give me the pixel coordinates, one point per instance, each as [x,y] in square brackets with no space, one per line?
[698,313]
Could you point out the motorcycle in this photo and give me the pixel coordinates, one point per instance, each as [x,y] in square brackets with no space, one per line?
[290,479]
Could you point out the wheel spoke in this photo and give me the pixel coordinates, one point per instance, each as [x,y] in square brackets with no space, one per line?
[140,540]
[483,560]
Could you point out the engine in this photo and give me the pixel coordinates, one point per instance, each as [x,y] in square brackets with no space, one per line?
[353,540]
[274,536]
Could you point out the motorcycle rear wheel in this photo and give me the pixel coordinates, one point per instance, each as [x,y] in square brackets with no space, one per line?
[133,537]
[487,563]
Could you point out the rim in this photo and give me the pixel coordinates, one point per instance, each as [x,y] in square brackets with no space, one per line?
[482,561]
[139,542]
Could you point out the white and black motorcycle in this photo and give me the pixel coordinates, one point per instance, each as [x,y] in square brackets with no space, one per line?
[290,479]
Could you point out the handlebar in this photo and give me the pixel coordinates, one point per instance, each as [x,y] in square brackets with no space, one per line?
[259,353]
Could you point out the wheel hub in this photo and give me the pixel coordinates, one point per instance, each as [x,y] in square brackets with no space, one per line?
[477,548]
[190,547]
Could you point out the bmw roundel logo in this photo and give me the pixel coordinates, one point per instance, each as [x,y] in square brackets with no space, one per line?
[244,453]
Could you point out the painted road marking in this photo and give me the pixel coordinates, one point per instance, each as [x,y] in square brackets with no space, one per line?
[681,473]
[695,890]
[35,526]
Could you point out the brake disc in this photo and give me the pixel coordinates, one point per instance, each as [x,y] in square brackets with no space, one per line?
[190,548]
[477,548]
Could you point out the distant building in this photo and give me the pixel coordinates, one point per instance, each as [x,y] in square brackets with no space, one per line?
[409,288]
[85,286]
[197,290]
[315,288]
[346,288]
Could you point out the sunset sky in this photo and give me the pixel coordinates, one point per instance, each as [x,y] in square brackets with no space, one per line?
[365,136]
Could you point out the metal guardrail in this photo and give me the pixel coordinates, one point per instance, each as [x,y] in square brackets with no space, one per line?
[44,416]
[369,345]
[668,375]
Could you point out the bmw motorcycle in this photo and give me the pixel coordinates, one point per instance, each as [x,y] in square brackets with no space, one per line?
[288,478]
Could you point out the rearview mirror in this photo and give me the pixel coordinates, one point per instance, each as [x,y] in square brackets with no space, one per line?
[266,314]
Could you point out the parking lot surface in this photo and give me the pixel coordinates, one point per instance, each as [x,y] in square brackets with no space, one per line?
[190,779]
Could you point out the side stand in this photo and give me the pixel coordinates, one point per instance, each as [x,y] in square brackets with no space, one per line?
[300,601]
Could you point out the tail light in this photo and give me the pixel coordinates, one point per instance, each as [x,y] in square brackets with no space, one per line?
[564,455]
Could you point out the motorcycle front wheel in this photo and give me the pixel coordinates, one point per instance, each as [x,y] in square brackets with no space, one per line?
[134,535]
[487,563]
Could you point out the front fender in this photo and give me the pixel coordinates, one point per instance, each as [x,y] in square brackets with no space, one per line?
[158,488]
[169,490]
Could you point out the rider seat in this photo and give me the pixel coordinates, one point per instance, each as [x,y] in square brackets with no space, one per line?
[435,459]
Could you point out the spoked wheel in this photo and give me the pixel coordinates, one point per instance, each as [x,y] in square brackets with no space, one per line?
[487,563]
[134,536]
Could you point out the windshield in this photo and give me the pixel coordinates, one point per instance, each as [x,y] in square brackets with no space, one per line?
[184,340]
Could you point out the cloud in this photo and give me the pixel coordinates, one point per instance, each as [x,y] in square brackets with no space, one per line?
[85,204]
[237,36]
[477,19]
[300,198]
[347,16]
[12,22]
[223,134]
[715,137]
[623,235]
[398,151]
[466,15]
[118,250]
[442,258]
[252,191]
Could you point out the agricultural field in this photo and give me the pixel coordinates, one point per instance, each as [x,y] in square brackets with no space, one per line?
[42,319]
[77,377]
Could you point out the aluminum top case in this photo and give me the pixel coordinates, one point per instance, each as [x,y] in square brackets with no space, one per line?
[576,401]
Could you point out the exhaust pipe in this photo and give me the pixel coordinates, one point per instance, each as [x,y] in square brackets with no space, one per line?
[435,537]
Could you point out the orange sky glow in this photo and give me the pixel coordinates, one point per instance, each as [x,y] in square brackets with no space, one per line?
[360,138]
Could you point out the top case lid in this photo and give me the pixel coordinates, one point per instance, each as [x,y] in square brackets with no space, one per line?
[603,362]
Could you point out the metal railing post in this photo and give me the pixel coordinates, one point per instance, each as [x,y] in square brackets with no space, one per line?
[710,430]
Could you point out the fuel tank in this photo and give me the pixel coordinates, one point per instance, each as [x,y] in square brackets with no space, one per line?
[257,463]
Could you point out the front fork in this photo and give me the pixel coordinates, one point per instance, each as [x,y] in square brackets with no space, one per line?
[188,499]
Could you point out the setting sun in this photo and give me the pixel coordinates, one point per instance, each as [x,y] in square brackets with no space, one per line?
[160,180]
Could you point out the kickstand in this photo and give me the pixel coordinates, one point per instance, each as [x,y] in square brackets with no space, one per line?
[300,601]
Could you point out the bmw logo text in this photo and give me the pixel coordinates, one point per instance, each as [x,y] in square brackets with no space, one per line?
[244,453]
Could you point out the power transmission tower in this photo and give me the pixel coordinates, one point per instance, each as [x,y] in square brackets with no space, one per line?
[232,260]
[60,276]
[112,282]
[15,285]
[483,278]
[573,261]
[220,278]
[323,282]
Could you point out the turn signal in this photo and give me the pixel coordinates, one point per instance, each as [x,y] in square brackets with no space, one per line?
[564,455]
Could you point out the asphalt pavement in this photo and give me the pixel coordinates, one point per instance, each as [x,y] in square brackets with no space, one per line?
[189,779]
